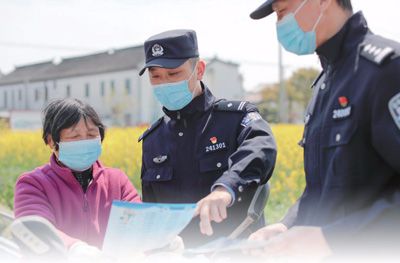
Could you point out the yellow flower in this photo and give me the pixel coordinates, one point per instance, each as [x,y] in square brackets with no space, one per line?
[24,151]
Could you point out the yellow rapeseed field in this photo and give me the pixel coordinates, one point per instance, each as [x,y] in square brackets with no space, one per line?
[287,182]
[23,151]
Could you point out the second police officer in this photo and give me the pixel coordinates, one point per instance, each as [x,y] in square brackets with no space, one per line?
[351,203]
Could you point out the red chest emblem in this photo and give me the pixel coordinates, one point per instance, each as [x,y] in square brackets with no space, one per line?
[213,140]
[343,101]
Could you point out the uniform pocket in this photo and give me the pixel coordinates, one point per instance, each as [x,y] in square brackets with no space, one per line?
[159,174]
[216,162]
[338,155]
[338,135]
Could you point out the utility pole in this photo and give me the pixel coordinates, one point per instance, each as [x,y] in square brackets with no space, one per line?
[283,109]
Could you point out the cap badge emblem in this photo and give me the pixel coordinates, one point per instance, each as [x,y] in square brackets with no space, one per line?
[157,50]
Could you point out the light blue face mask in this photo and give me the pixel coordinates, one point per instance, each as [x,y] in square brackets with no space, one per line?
[293,38]
[174,96]
[79,155]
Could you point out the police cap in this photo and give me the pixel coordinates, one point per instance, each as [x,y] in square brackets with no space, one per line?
[263,10]
[170,49]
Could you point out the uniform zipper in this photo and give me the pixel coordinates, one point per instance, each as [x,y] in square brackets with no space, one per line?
[178,117]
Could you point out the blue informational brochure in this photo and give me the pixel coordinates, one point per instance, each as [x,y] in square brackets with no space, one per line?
[140,227]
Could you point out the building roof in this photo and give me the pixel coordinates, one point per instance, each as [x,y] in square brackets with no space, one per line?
[104,62]
[217,59]
[109,61]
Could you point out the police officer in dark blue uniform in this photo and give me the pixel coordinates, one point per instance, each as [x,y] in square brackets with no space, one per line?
[351,139]
[203,150]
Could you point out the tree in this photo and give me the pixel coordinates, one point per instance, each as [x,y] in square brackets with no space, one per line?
[299,92]
[269,105]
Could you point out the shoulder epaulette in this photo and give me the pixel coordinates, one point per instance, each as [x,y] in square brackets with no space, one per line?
[234,106]
[378,49]
[151,129]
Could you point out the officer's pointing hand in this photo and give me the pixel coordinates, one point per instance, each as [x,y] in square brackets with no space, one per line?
[213,208]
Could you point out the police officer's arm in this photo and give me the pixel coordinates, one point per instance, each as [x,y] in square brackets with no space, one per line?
[252,163]
[385,136]
[381,220]
[254,159]
[291,216]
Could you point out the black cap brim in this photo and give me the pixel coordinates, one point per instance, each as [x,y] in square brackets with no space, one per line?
[263,10]
[163,63]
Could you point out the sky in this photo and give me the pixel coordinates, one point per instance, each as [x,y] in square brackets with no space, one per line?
[37,30]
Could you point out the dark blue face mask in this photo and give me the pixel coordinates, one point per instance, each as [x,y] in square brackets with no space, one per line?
[80,155]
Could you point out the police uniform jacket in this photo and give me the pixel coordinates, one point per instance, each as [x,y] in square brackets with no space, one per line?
[208,143]
[352,140]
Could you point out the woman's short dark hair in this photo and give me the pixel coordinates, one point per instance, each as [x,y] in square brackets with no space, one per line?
[65,113]
[345,4]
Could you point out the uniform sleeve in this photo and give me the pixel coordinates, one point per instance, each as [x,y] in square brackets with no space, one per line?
[30,199]
[376,226]
[383,216]
[290,218]
[385,124]
[254,159]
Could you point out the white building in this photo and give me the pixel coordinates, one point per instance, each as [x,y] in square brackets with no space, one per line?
[224,80]
[109,81]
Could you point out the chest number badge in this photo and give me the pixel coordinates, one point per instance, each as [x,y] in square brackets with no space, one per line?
[343,112]
[215,146]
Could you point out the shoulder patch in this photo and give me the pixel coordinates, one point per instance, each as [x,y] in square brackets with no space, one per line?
[151,129]
[394,107]
[378,49]
[250,117]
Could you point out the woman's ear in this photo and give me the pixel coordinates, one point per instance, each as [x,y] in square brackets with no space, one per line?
[51,143]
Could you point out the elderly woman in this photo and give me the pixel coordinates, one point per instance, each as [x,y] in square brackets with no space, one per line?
[74,191]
